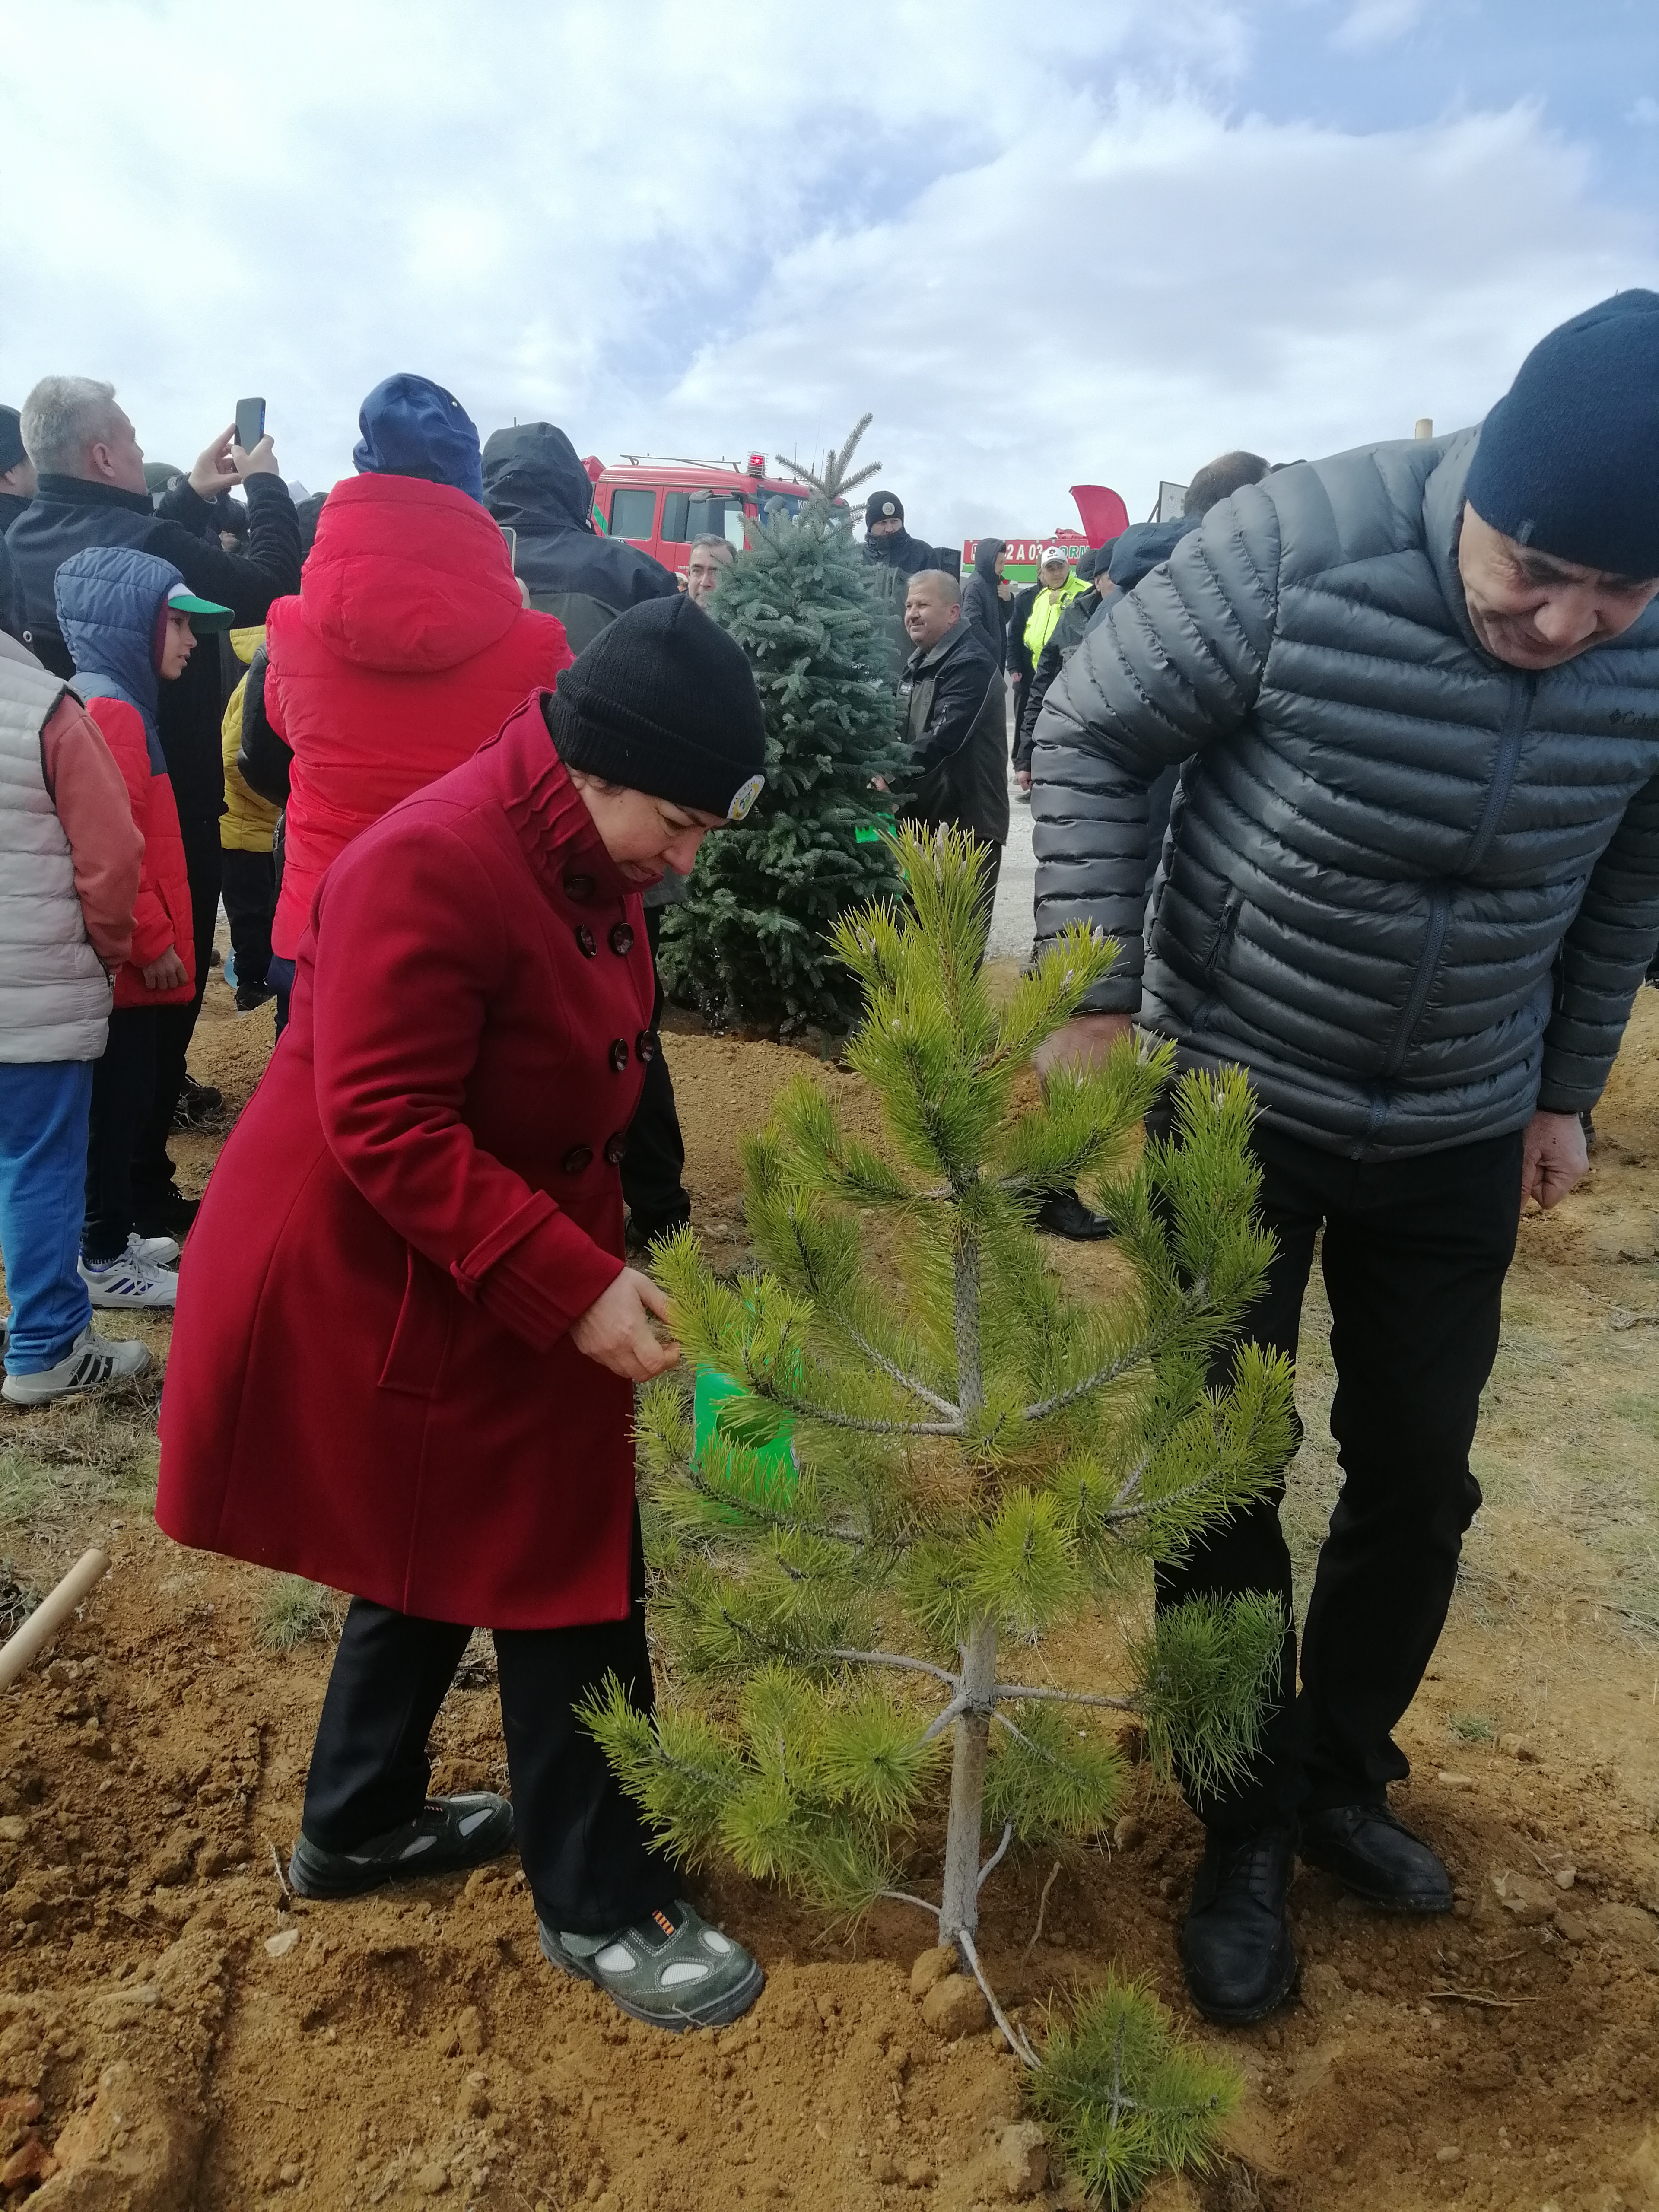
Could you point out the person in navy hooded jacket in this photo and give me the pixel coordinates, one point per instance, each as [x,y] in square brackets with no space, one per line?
[130,621]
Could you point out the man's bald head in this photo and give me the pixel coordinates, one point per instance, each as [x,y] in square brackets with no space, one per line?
[933,607]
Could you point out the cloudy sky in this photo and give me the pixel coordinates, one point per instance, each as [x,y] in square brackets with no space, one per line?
[1098,241]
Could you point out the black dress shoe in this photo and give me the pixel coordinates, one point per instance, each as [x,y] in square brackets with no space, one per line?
[1237,1945]
[1063,1214]
[1370,1853]
[199,1106]
[164,1212]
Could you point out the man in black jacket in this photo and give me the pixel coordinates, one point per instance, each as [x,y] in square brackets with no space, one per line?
[951,698]
[92,491]
[535,483]
[1410,885]
[16,494]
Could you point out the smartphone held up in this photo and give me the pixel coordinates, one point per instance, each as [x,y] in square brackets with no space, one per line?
[250,424]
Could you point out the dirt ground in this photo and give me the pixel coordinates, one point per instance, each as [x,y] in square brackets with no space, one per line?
[184,2035]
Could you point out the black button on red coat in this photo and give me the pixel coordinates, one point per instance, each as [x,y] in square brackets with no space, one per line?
[580,888]
[621,940]
[585,939]
[616,1146]
[619,1055]
[645,1046]
[578,1158]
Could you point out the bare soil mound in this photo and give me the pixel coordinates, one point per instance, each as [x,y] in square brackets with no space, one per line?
[175,2032]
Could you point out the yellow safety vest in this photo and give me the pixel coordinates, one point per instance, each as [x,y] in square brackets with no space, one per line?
[1045,611]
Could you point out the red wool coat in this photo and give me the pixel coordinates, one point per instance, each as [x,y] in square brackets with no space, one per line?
[162,911]
[409,644]
[371,1381]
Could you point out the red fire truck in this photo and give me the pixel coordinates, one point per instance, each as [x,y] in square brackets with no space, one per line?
[662,502]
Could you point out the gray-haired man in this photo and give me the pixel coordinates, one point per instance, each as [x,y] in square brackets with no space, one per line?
[92,491]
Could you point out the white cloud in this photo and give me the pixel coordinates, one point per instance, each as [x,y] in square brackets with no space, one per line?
[1376,23]
[1039,256]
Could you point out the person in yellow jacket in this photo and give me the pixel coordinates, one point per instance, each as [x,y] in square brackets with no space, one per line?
[246,833]
[1060,587]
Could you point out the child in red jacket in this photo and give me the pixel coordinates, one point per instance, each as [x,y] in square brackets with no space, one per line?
[130,621]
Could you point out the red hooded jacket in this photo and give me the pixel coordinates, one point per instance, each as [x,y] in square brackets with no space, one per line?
[408,645]
[162,911]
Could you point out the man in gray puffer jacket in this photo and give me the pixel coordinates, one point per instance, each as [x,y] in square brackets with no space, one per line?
[1411,883]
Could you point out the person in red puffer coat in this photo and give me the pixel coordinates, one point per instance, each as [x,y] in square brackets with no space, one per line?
[408,643]
[130,621]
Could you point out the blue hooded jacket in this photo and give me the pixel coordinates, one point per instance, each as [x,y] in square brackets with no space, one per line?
[413,427]
[110,600]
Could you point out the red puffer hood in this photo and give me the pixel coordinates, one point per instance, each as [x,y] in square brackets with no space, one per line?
[407,575]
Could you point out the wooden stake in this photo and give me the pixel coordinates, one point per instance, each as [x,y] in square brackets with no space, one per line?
[49,1616]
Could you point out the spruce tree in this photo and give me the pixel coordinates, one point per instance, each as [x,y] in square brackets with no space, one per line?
[751,944]
[937,1457]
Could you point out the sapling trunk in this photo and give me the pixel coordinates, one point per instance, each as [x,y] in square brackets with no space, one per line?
[959,1910]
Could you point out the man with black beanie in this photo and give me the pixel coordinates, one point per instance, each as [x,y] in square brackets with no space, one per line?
[1410,885]
[888,544]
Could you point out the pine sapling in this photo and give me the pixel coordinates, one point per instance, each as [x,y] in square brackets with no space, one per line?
[978,1458]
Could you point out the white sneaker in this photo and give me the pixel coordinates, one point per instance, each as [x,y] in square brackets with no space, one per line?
[90,1361]
[158,1251]
[128,1281]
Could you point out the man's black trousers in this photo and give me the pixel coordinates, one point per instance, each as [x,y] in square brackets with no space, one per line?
[590,1865]
[1414,1255]
[152,1166]
[250,895]
[653,1166]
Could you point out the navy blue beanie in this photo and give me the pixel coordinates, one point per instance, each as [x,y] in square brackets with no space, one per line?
[1568,458]
[413,427]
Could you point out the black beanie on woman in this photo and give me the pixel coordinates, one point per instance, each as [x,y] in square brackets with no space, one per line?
[663,701]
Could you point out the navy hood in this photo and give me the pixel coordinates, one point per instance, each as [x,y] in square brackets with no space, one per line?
[413,427]
[110,600]
[534,480]
[1142,548]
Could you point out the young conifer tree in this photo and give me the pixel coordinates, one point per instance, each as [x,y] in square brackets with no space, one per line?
[977,1458]
[750,943]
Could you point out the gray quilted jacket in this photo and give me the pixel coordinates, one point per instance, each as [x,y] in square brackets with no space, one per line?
[1410,889]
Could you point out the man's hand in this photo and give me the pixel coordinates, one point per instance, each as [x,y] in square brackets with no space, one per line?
[1554,1159]
[1023,778]
[1083,1043]
[224,464]
[165,974]
[878,783]
[262,462]
[214,471]
[616,1330]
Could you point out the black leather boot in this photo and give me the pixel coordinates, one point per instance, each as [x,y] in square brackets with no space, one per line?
[1371,1854]
[1236,1944]
[1063,1214]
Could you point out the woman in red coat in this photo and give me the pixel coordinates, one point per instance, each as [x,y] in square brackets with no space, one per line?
[406,1342]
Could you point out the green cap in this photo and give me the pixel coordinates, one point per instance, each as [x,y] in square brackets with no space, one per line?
[206,615]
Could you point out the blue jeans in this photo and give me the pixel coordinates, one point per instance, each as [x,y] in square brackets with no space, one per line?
[44,1113]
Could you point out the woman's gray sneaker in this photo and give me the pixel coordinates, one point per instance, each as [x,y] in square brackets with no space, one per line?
[450,1832]
[672,1970]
